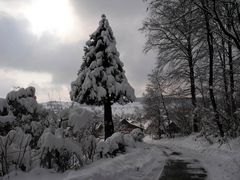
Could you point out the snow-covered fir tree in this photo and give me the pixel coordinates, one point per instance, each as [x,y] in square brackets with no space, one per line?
[101,79]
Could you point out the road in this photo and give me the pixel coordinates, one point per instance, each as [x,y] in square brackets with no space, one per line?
[180,167]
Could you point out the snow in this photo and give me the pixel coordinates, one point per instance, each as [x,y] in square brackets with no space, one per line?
[102,147]
[221,162]
[50,141]
[35,174]
[15,145]
[7,119]
[128,140]
[137,134]
[29,103]
[21,93]
[147,160]
[37,128]
[114,141]
[141,163]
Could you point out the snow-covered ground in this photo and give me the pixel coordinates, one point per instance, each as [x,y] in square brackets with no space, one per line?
[147,161]
[142,163]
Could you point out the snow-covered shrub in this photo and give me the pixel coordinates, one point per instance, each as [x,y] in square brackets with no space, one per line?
[80,122]
[15,151]
[57,150]
[22,101]
[89,144]
[79,118]
[6,119]
[111,146]
[102,149]
[116,143]
[137,134]
[29,115]
[6,124]
[128,140]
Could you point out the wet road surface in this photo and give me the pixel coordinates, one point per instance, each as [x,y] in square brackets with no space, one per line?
[180,168]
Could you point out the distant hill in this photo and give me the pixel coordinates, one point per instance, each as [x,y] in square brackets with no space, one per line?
[117,109]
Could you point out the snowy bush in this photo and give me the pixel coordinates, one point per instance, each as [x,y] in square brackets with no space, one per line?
[111,146]
[6,124]
[102,149]
[137,134]
[25,112]
[79,118]
[15,151]
[57,151]
[116,143]
[128,140]
[89,144]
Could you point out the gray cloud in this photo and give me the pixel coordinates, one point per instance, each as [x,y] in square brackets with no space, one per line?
[20,49]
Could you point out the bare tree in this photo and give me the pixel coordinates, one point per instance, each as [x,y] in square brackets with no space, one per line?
[174,29]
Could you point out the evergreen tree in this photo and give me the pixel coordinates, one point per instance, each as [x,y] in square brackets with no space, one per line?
[101,79]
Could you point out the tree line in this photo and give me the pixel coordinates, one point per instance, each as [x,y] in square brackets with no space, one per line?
[197,45]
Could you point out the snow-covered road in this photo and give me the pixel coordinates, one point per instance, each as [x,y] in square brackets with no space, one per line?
[220,162]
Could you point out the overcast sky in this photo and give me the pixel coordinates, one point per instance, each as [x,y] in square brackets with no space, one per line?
[41,42]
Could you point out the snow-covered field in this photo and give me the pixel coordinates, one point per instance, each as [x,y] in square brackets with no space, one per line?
[147,161]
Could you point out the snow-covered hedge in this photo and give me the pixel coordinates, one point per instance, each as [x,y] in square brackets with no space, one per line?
[137,134]
[116,143]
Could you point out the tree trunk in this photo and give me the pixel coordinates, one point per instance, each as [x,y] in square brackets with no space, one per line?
[225,81]
[108,123]
[192,84]
[231,74]
[210,81]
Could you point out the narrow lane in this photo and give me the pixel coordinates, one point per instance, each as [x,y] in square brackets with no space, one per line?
[179,167]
